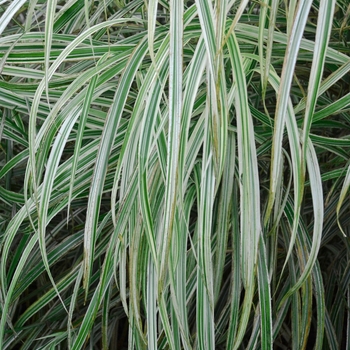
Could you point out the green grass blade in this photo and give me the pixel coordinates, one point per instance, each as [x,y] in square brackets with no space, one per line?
[317,200]
[342,196]
[321,42]
[283,97]
[175,112]
[249,186]
[265,299]
[112,122]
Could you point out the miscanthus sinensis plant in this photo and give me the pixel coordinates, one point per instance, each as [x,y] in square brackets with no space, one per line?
[174,174]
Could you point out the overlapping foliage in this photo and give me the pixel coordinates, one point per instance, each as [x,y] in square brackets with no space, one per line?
[174,174]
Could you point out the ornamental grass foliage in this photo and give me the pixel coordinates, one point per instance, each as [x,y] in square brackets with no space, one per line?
[174,174]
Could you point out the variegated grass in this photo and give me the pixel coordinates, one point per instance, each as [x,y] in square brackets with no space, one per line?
[174,174]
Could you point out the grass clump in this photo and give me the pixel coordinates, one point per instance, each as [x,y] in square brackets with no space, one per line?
[174,174]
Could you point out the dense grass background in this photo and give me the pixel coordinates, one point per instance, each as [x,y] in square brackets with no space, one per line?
[174,174]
